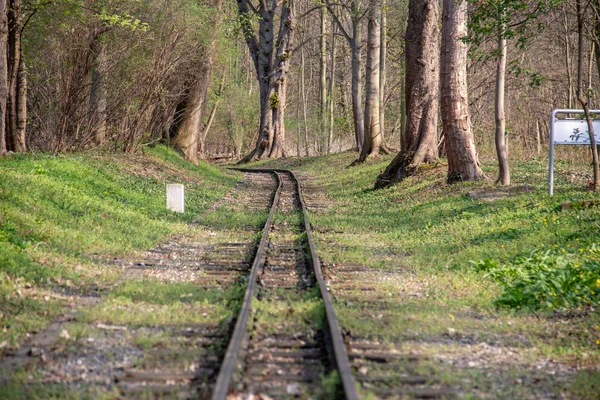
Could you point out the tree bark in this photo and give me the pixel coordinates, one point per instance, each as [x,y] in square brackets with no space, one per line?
[323,83]
[271,61]
[357,107]
[187,137]
[355,42]
[21,132]
[3,75]
[281,68]
[382,70]
[211,117]
[372,143]
[303,90]
[568,57]
[331,90]
[98,91]
[582,98]
[419,144]
[500,137]
[463,164]
[15,138]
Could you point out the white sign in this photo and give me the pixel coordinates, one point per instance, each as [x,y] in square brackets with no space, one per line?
[569,127]
[175,197]
[574,131]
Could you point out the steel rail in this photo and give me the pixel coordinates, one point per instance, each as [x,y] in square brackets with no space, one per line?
[340,355]
[231,356]
[339,348]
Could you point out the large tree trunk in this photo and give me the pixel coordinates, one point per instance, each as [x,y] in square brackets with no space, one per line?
[281,68]
[463,164]
[419,142]
[372,143]
[357,107]
[3,75]
[271,61]
[190,127]
[504,171]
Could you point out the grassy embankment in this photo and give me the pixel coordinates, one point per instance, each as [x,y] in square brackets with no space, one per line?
[59,215]
[516,273]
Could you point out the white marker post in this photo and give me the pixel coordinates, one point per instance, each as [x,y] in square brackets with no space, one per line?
[175,197]
[570,131]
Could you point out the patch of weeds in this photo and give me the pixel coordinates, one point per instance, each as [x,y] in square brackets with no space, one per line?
[332,386]
[165,293]
[550,279]
[293,309]
[123,311]
[25,385]
[585,384]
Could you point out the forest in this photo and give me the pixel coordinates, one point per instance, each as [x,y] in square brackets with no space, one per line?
[252,81]
[384,199]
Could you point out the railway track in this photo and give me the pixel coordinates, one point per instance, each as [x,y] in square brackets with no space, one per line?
[287,340]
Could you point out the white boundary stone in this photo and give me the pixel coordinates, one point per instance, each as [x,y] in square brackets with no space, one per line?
[175,197]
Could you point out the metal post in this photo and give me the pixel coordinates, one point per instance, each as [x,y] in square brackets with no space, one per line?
[551,146]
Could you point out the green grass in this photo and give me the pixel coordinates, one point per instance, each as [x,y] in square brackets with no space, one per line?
[434,232]
[60,212]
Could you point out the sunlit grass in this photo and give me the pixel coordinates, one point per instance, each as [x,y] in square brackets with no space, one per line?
[58,212]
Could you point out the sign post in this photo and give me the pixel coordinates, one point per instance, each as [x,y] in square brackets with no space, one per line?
[570,128]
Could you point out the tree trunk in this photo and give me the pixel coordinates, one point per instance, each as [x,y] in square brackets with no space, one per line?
[382,70]
[15,139]
[501,151]
[331,90]
[3,75]
[372,142]
[357,107]
[419,142]
[211,117]
[21,132]
[98,91]
[463,164]
[271,71]
[188,132]
[303,90]
[582,98]
[285,41]
[322,83]
[568,57]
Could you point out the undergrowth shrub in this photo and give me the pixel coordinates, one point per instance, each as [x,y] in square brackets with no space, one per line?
[546,279]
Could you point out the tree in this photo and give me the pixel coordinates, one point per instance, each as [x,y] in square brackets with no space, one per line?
[3,75]
[188,137]
[372,140]
[504,20]
[422,83]
[271,57]
[99,87]
[584,100]
[13,80]
[463,163]
[355,43]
